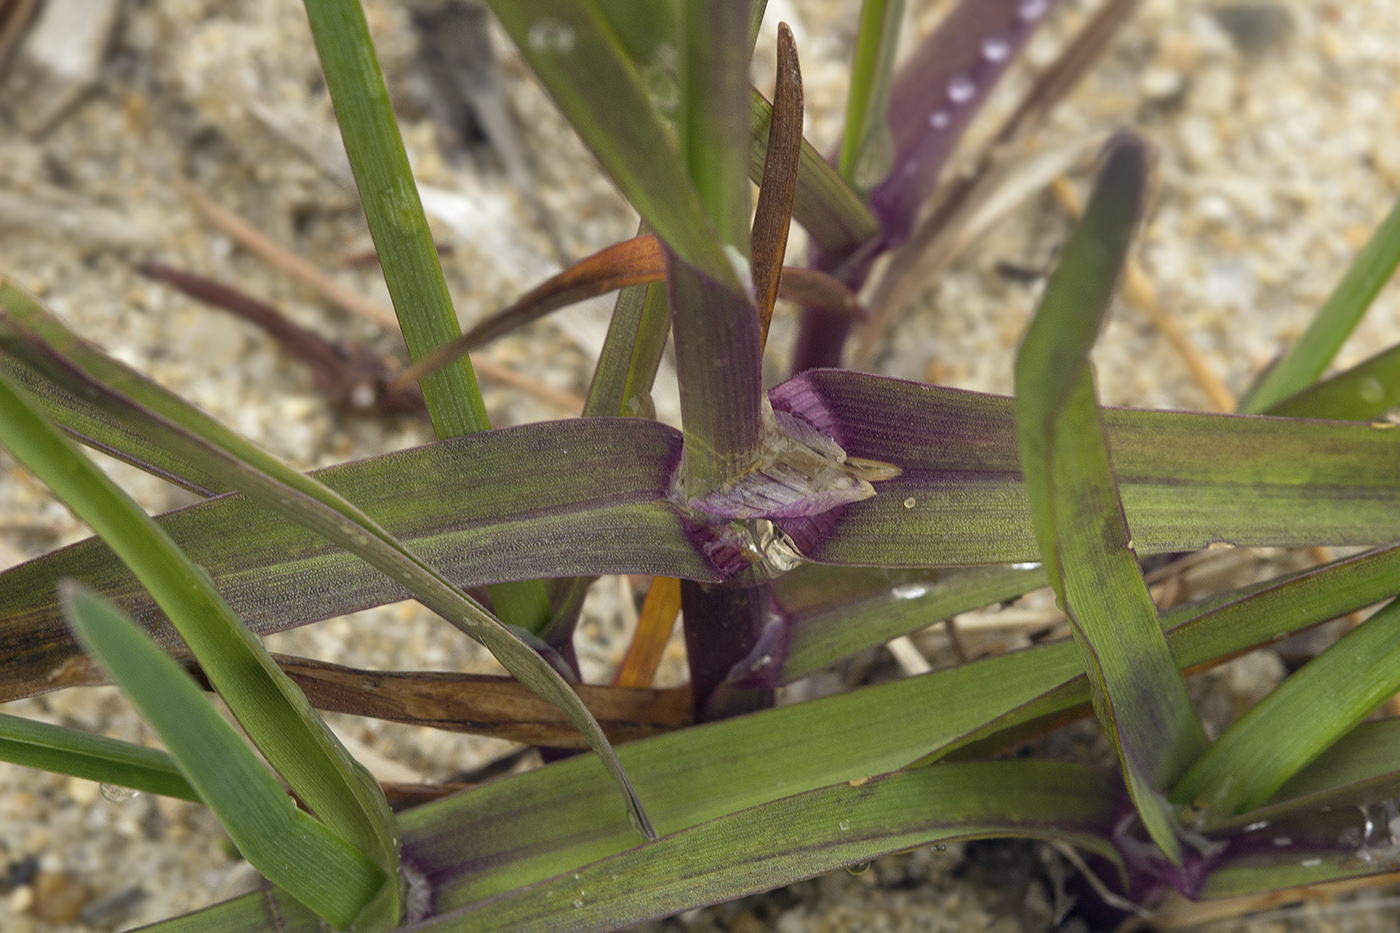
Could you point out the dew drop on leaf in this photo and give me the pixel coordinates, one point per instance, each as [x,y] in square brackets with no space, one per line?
[844,825]
[1032,10]
[910,502]
[661,88]
[995,49]
[551,35]
[961,89]
[117,793]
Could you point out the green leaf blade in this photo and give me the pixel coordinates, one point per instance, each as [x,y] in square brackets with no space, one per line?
[268,705]
[94,757]
[1084,540]
[867,146]
[407,253]
[712,121]
[574,52]
[1363,393]
[1295,723]
[394,211]
[797,837]
[322,870]
[307,502]
[1307,359]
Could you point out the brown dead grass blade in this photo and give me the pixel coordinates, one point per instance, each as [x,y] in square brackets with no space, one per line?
[773,215]
[638,261]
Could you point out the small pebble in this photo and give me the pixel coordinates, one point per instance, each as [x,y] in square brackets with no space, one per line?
[21,871]
[1254,28]
[58,898]
[20,899]
[112,908]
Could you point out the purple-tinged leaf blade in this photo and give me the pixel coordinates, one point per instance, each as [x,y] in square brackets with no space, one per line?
[938,92]
[570,498]
[1188,480]
[1310,849]
[310,505]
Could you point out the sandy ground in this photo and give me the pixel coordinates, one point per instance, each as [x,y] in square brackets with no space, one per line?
[1273,123]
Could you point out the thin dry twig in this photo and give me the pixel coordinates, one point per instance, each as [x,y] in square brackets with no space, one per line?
[278,256]
[353,378]
[1177,912]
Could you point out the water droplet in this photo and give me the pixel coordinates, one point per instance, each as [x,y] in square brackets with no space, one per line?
[117,793]
[1032,10]
[1310,862]
[578,902]
[551,35]
[910,502]
[362,396]
[859,868]
[1282,841]
[1255,827]
[961,89]
[909,591]
[995,49]
[940,847]
[844,826]
[1026,565]
[576,876]
[939,119]
[1371,390]
[661,87]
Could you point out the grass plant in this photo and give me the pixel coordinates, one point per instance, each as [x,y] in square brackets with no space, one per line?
[794,529]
